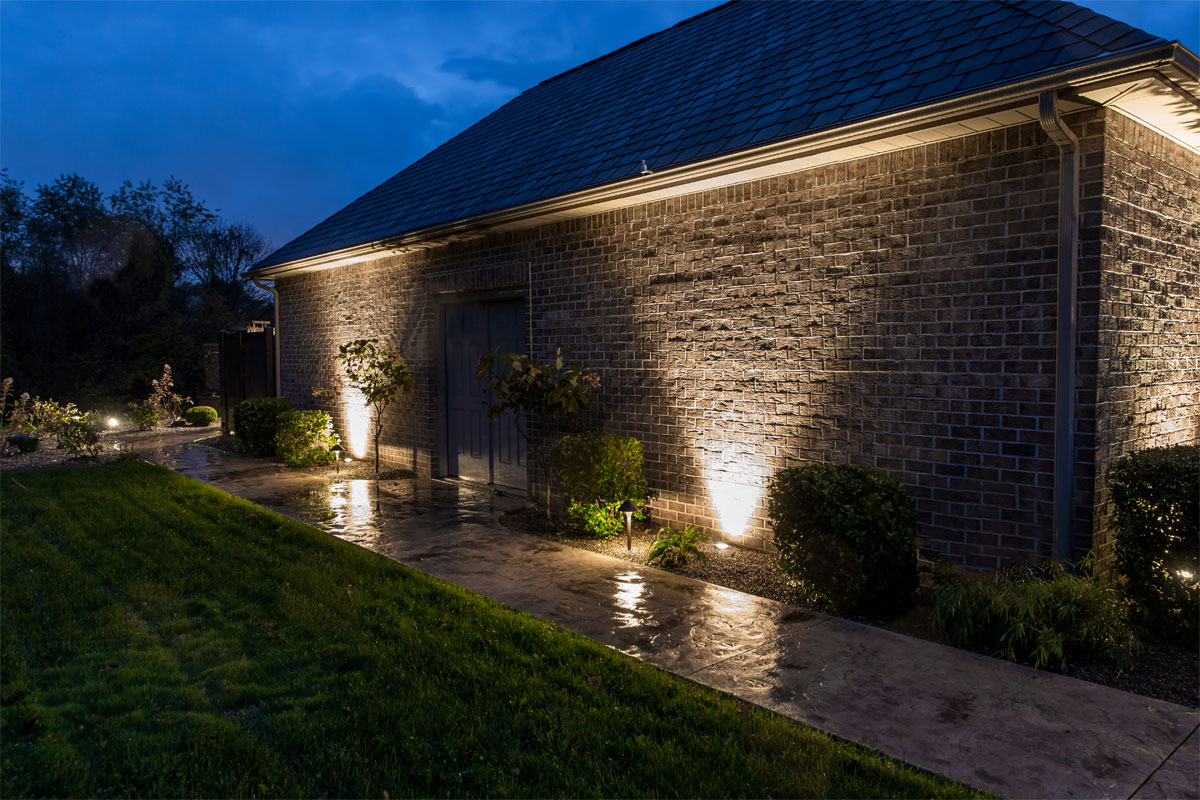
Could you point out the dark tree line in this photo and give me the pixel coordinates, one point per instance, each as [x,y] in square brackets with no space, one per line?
[97,293]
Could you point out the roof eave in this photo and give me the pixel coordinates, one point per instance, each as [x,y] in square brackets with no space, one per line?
[1171,62]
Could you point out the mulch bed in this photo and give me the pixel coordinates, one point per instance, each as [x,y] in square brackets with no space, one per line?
[1164,671]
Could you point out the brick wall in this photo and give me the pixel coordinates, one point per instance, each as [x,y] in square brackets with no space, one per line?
[896,311]
[1147,377]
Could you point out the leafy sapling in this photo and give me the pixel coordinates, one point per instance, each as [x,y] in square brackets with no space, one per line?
[546,390]
[379,374]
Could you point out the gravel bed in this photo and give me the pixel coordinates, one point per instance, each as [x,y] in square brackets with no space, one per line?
[1164,672]
[750,571]
[48,454]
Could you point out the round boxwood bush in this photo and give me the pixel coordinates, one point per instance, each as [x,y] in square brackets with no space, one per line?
[1156,528]
[305,438]
[200,416]
[255,423]
[848,532]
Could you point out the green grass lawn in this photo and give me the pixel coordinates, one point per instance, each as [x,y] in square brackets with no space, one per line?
[161,638]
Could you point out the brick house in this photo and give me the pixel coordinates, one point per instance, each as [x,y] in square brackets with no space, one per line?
[785,232]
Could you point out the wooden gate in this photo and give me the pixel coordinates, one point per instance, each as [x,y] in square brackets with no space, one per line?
[247,369]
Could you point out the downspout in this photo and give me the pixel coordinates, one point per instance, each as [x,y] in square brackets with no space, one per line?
[275,305]
[1068,279]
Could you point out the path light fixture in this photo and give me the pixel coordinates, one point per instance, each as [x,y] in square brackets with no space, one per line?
[627,508]
[337,457]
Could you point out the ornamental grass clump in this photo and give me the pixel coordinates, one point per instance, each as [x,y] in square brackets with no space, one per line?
[599,472]
[1156,539]
[1043,617]
[846,531]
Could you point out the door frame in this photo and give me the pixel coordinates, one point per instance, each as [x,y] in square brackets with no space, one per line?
[456,298]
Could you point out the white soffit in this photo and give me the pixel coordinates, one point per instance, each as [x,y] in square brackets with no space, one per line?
[1160,104]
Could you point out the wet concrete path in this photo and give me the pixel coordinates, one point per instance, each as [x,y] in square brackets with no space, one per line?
[1002,727]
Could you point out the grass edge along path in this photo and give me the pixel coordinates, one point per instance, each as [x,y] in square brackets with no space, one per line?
[163,638]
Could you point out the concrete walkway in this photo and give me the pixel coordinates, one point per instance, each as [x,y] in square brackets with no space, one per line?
[998,726]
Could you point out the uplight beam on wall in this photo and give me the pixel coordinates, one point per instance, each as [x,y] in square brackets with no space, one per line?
[358,421]
[733,489]
[734,504]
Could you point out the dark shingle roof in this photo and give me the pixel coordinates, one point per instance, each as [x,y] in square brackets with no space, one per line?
[740,75]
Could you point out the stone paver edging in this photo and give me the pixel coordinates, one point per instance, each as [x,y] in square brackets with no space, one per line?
[1006,728]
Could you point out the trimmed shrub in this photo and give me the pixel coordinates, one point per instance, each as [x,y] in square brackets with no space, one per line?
[256,422]
[80,434]
[200,416]
[1045,618]
[846,531]
[599,472]
[1156,538]
[305,438]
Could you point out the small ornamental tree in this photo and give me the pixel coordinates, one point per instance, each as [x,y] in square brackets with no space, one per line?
[379,375]
[555,389]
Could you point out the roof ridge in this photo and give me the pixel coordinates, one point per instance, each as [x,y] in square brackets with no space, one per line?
[634,43]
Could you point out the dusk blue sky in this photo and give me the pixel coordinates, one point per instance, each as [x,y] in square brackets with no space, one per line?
[278,114]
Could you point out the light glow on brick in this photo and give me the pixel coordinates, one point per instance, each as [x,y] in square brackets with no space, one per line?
[734,502]
[358,421]
[734,485]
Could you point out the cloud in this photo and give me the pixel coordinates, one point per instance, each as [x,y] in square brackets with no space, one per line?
[278,114]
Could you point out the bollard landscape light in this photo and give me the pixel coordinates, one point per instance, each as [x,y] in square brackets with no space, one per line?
[627,508]
[337,457]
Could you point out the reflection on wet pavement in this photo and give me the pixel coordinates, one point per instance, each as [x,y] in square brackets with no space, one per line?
[994,725]
[449,530]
